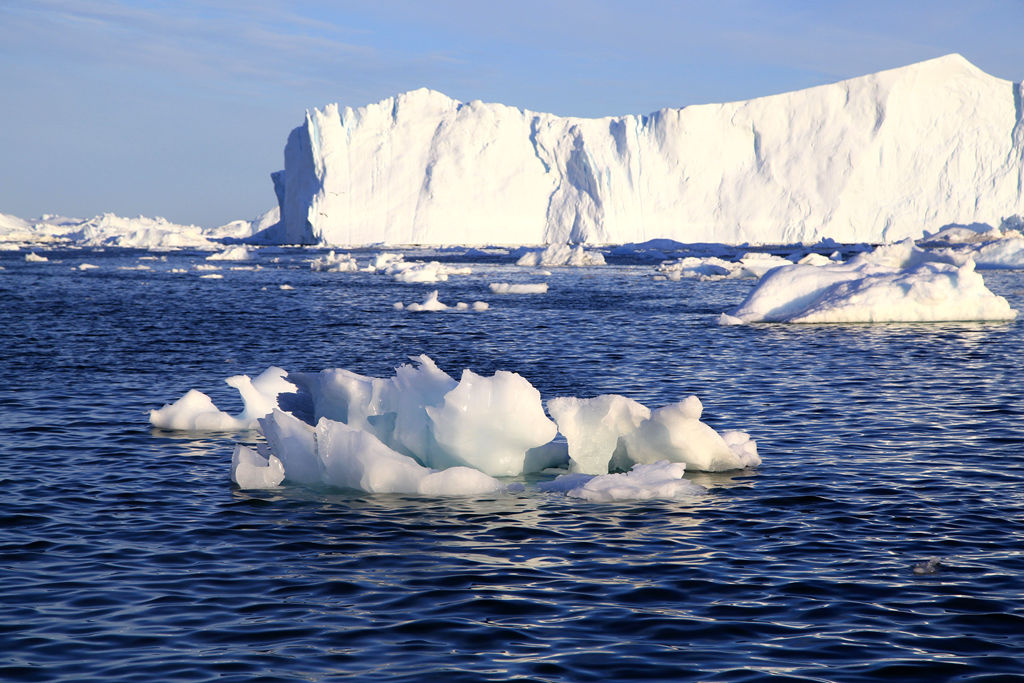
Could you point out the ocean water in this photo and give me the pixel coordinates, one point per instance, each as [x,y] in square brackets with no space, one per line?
[882,538]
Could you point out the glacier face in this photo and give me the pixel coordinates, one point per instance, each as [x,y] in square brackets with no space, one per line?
[876,158]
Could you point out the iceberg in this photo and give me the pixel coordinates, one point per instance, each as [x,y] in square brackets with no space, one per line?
[894,283]
[195,411]
[870,159]
[421,431]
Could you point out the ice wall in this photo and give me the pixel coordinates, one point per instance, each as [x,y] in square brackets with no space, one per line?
[876,158]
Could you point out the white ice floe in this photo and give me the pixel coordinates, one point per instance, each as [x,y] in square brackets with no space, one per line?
[488,423]
[518,287]
[433,303]
[336,454]
[195,411]
[896,282]
[250,470]
[422,431]
[751,265]
[657,480]
[236,253]
[592,427]
[613,433]
[336,263]
[561,255]
[33,257]
[86,266]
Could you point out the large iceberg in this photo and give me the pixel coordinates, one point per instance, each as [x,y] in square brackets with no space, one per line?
[894,283]
[872,159]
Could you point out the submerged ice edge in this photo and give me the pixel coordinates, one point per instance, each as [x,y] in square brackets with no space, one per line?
[422,431]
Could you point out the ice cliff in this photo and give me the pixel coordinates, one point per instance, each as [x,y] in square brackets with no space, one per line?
[876,158]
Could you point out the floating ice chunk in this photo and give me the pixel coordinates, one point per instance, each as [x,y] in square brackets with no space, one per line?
[208,276]
[294,443]
[285,287]
[815,259]
[475,306]
[195,411]
[519,288]
[894,283]
[658,480]
[757,264]
[337,263]
[206,267]
[561,255]
[33,257]
[86,266]
[743,447]
[356,459]
[489,423]
[675,433]
[1004,253]
[699,267]
[433,304]
[236,253]
[458,481]
[592,427]
[250,470]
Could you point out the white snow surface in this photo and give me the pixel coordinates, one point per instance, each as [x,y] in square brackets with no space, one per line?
[894,283]
[871,159]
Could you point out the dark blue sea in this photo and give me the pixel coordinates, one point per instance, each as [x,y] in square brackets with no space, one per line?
[882,538]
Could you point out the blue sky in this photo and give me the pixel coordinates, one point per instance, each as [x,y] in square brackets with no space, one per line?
[181,109]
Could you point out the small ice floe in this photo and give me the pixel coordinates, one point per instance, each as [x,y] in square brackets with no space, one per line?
[561,255]
[709,268]
[195,411]
[395,265]
[237,253]
[432,303]
[336,454]
[205,267]
[211,276]
[930,566]
[85,266]
[519,288]
[897,282]
[335,263]
[285,287]
[33,257]
[614,433]
[422,431]
[657,480]
[250,470]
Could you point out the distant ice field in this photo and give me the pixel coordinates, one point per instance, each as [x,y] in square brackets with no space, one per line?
[880,538]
